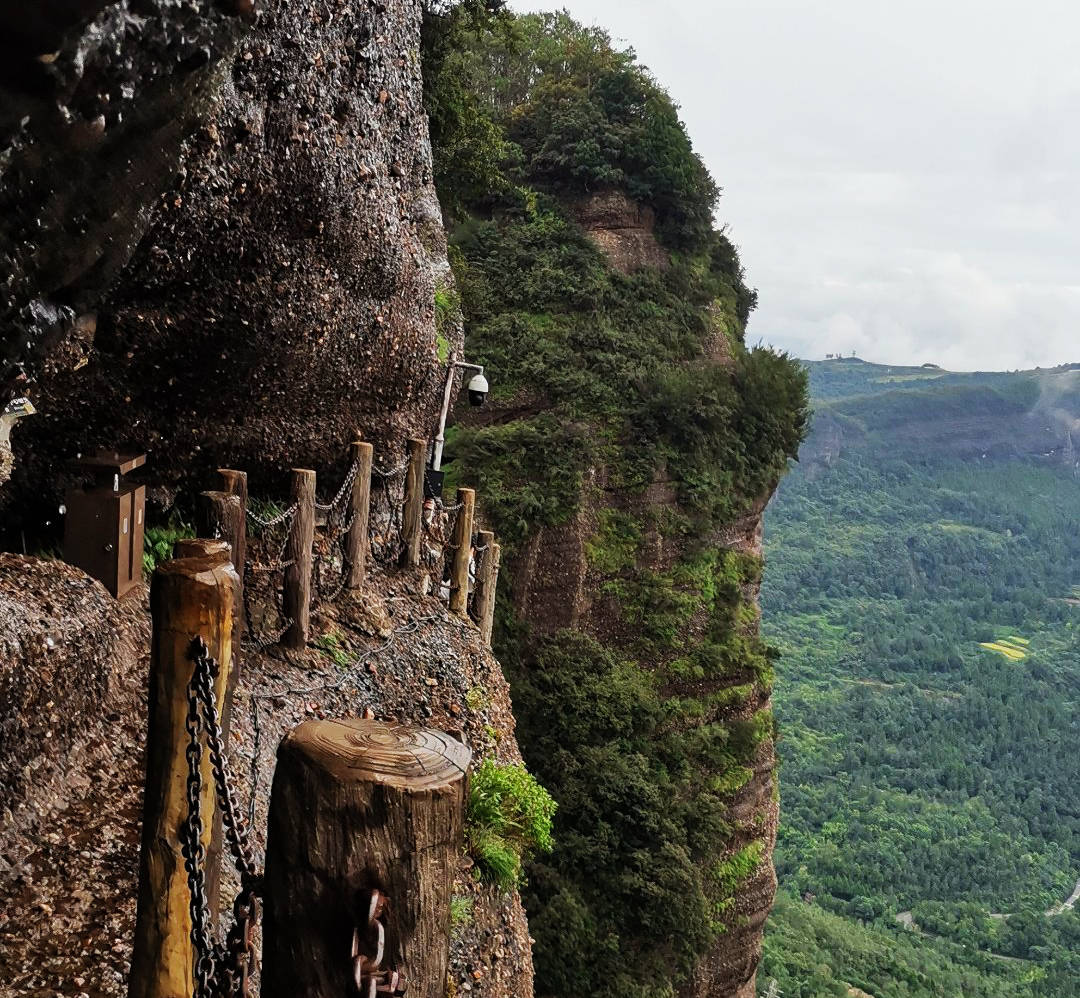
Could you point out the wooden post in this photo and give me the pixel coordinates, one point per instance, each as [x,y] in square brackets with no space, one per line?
[462,542]
[483,589]
[412,524]
[191,595]
[359,805]
[222,515]
[357,541]
[235,483]
[299,552]
[493,555]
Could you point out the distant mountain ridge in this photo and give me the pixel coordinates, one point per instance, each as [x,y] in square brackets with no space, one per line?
[919,410]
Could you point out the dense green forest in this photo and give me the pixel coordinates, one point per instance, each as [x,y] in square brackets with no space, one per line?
[633,376]
[920,564]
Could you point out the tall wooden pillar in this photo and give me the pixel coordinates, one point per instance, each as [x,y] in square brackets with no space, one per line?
[299,555]
[462,545]
[357,540]
[194,594]
[412,525]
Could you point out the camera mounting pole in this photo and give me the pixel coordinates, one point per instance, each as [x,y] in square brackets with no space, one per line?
[440,439]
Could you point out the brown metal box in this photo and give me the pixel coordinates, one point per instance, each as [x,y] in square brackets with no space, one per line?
[103,534]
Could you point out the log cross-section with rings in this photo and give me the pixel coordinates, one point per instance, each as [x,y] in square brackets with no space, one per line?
[366,823]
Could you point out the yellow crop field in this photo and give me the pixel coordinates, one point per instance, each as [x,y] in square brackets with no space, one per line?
[1004,647]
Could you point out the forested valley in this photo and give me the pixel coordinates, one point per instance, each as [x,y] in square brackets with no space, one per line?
[921,588]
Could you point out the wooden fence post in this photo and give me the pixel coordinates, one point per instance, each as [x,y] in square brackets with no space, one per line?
[222,515]
[462,545]
[494,554]
[484,592]
[357,540]
[235,482]
[299,556]
[194,594]
[412,524]
[358,805]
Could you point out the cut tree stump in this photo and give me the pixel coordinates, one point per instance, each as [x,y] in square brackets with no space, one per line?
[359,805]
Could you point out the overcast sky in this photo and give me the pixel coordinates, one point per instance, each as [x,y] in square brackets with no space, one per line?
[901,178]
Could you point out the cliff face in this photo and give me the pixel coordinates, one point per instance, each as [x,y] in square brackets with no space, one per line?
[559,583]
[268,288]
[222,245]
[623,229]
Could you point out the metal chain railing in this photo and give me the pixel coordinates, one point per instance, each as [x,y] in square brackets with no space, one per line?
[350,477]
[221,970]
[329,548]
[387,514]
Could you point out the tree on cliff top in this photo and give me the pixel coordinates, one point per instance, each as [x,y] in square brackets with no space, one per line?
[543,100]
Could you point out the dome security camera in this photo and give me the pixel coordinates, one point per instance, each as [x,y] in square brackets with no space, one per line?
[478,389]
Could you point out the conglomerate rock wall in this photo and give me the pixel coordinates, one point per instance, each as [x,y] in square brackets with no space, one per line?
[246,279]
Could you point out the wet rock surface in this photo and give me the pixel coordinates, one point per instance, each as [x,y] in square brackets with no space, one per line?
[95,101]
[70,856]
[279,291]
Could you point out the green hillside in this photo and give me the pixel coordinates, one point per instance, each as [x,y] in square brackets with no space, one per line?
[919,562]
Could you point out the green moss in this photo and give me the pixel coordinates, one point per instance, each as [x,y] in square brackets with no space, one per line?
[333,646]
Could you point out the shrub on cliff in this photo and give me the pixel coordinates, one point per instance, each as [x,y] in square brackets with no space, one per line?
[544,101]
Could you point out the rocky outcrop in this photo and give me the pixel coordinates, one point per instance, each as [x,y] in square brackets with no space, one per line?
[623,229]
[69,845]
[556,587]
[68,650]
[275,291]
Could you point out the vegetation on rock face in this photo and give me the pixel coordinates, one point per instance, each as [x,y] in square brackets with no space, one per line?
[923,772]
[158,542]
[638,378]
[507,819]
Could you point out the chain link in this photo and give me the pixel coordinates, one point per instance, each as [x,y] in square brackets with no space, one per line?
[273,521]
[369,948]
[345,486]
[393,472]
[194,852]
[220,971]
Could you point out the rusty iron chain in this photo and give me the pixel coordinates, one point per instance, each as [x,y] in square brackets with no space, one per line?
[369,948]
